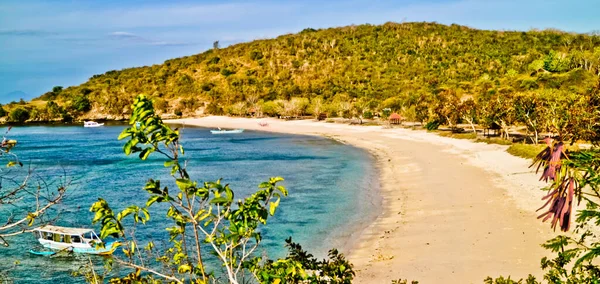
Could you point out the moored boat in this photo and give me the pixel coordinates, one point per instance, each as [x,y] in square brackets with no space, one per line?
[232,131]
[78,240]
[92,124]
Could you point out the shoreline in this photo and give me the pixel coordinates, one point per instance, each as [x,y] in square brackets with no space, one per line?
[450,209]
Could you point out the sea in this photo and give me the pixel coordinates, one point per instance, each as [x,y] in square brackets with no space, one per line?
[332,188]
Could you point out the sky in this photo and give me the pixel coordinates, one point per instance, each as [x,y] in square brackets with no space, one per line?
[49,43]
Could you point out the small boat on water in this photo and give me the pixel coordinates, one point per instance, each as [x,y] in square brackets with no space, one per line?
[64,239]
[222,131]
[92,124]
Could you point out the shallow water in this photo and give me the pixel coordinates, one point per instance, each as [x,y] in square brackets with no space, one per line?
[329,183]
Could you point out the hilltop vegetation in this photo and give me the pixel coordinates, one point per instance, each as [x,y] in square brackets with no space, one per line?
[428,72]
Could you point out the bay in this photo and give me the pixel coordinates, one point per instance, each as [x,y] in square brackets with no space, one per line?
[330,185]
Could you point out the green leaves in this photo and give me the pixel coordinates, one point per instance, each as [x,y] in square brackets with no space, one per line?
[147,131]
[273,206]
[139,214]
[184,184]
[111,226]
[184,268]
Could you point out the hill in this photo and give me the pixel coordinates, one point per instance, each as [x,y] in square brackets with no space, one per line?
[423,70]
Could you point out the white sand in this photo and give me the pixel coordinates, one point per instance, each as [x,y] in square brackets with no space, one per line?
[453,211]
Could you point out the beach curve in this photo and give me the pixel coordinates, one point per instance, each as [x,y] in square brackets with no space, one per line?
[453,211]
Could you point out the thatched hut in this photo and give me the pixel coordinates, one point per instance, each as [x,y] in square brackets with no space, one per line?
[395,118]
[494,126]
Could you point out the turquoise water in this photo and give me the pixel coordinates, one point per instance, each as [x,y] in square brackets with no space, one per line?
[330,185]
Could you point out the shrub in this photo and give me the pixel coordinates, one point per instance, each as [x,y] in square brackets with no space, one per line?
[19,114]
[81,104]
[270,108]
[214,108]
[432,125]
[256,55]
[3,112]
[226,72]
[527,151]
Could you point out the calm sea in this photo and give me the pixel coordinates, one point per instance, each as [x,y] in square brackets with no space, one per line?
[331,186]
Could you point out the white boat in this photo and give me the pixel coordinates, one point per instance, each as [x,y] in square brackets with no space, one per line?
[92,124]
[221,131]
[78,240]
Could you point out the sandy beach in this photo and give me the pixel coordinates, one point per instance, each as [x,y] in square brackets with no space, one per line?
[453,211]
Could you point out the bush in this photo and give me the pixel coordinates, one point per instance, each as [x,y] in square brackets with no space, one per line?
[66,117]
[501,280]
[226,72]
[256,55]
[81,104]
[527,151]
[367,114]
[3,112]
[214,108]
[432,125]
[270,108]
[19,115]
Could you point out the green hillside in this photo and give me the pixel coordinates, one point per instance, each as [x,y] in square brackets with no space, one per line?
[412,68]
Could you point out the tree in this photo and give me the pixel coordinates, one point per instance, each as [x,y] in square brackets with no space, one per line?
[81,103]
[3,112]
[572,176]
[28,195]
[19,115]
[204,216]
[53,110]
[498,109]
[360,106]
[468,109]
[527,109]
[316,106]
[57,89]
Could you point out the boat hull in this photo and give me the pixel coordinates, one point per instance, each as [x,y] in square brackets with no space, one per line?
[94,125]
[235,131]
[84,248]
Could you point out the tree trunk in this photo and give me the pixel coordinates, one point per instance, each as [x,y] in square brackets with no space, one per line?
[504,129]
[470,121]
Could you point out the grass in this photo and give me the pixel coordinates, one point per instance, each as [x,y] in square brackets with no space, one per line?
[499,141]
[527,151]
[370,123]
[469,135]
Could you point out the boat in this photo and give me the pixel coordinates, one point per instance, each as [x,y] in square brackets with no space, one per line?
[232,131]
[64,239]
[92,124]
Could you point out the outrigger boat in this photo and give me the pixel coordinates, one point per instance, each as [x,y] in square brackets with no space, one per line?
[92,124]
[78,240]
[221,131]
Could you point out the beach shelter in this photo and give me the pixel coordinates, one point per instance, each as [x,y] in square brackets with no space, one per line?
[494,126]
[395,118]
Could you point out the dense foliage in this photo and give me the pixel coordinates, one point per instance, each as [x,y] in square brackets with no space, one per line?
[19,114]
[207,223]
[427,71]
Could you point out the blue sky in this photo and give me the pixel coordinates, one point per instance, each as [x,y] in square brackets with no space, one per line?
[48,43]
